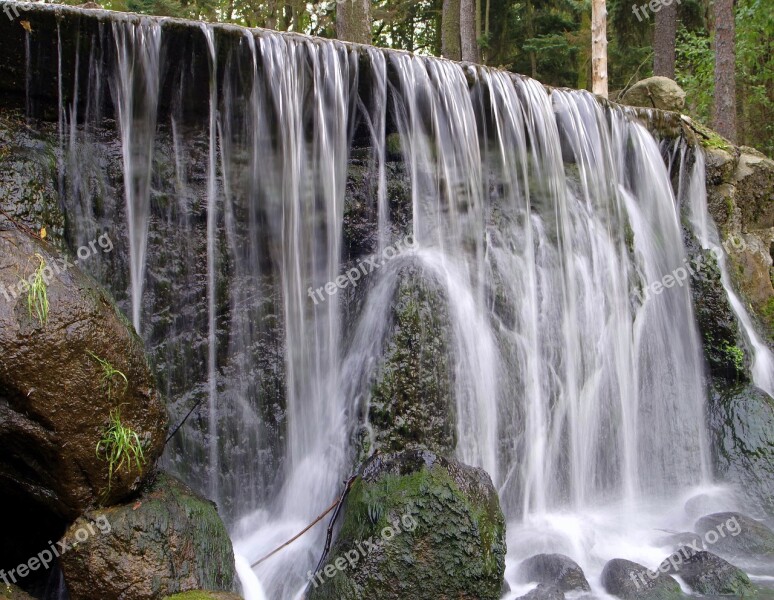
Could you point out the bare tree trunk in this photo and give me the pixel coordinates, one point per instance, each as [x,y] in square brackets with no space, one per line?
[468,31]
[353,21]
[599,48]
[724,115]
[664,40]
[450,30]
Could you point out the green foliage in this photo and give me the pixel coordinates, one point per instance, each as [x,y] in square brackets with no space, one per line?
[736,355]
[755,74]
[120,446]
[37,294]
[695,67]
[111,377]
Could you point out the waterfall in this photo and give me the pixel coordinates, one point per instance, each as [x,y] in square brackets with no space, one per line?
[542,217]
[135,93]
[707,233]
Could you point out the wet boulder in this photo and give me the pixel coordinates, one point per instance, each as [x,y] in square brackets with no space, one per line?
[707,573]
[631,581]
[71,369]
[741,419]
[733,534]
[544,592]
[554,569]
[416,525]
[167,541]
[655,92]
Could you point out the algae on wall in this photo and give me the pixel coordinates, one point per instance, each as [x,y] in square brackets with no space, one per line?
[412,399]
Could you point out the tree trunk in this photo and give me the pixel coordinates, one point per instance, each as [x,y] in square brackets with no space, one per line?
[353,21]
[724,115]
[599,47]
[468,31]
[450,26]
[664,40]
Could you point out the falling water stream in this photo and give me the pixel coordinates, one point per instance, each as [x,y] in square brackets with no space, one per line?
[540,215]
[706,231]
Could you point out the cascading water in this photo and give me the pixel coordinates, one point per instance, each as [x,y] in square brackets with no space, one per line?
[540,216]
[135,96]
[707,233]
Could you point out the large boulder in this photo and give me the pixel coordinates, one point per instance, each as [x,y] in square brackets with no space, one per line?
[655,92]
[631,581]
[167,541]
[418,526]
[554,569]
[733,534]
[707,573]
[741,419]
[64,372]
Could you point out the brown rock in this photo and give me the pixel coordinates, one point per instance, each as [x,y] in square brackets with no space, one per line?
[55,399]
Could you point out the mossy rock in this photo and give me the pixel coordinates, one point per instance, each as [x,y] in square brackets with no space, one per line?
[417,526]
[204,595]
[718,326]
[412,399]
[169,540]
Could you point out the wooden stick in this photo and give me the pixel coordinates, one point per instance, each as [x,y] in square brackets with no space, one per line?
[333,522]
[335,504]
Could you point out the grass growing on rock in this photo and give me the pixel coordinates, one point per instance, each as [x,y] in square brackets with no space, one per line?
[37,294]
[109,374]
[119,446]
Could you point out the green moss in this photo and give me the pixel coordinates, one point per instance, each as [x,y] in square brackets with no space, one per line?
[411,402]
[729,207]
[735,356]
[449,535]
[767,314]
[394,146]
[711,139]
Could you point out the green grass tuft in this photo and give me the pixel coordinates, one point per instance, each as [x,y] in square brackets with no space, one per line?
[37,295]
[109,375]
[120,446]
